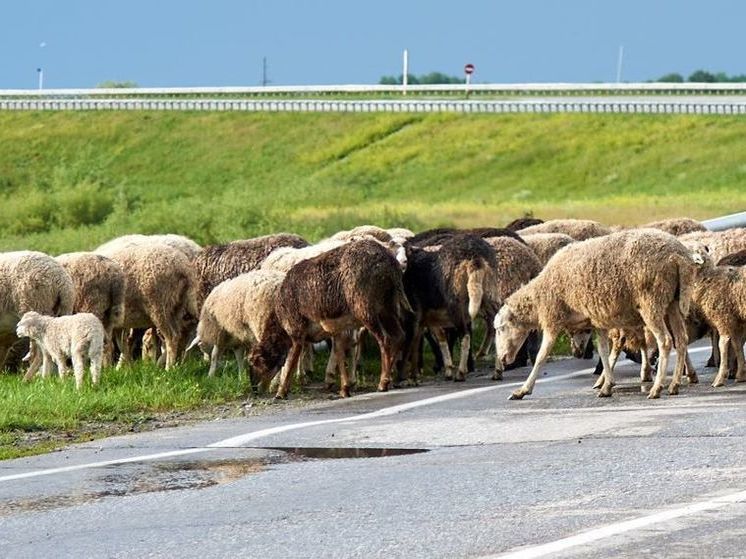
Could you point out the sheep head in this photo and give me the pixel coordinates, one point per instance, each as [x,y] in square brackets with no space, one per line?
[29,325]
[510,333]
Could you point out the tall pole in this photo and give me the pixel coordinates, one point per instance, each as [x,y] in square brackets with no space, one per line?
[264,71]
[405,72]
[40,71]
[619,64]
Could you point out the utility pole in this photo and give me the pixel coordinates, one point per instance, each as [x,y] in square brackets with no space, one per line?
[619,64]
[405,71]
[40,71]
[265,81]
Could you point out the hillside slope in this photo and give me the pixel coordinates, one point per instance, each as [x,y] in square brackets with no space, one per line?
[71,180]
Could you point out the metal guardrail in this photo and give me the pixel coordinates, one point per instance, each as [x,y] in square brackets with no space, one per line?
[367,106]
[726,222]
[655,88]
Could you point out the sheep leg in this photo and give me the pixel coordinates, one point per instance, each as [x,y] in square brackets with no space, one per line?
[214,360]
[172,348]
[440,335]
[723,344]
[238,353]
[733,366]
[741,366]
[547,342]
[340,350]
[61,363]
[97,360]
[78,368]
[286,374]
[357,350]
[678,330]
[664,342]
[714,359]
[465,347]
[307,364]
[125,350]
[691,372]
[331,368]
[603,353]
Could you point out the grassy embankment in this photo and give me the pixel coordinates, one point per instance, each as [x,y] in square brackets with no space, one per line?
[71,181]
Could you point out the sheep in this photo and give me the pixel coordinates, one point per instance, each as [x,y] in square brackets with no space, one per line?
[77,336]
[218,263]
[629,279]
[179,242]
[446,289]
[99,289]
[578,229]
[355,284]
[284,258]
[676,226]
[400,234]
[718,243]
[362,231]
[234,314]
[523,222]
[434,237]
[30,281]
[160,291]
[545,245]
[734,259]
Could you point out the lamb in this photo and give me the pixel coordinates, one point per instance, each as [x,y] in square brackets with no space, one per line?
[30,281]
[99,289]
[578,229]
[160,291]
[545,245]
[676,226]
[179,242]
[356,284]
[235,313]
[523,222]
[628,279]
[446,289]
[218,263]
[78,336]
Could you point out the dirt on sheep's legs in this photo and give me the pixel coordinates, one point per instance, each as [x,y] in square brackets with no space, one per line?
[663,339]
[603,353]
[285,375]
[440,335]
[678,329]
[547,343]
[465,347]
[723,345]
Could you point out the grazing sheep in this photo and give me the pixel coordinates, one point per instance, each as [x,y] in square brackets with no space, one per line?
[719,244]
[545,245]
[734,259]
[160,291]
[676,226]
[435,237]
[235,313]
[284,258]
[99,289]
[629,279]
[218,263]
[356,284]
[446,289]
[523,222]
[578,229]
[77,336]
[400,234]
[30,281]
[363,231]
[179,242]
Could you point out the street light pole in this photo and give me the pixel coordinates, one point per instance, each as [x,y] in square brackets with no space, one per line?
[40,71]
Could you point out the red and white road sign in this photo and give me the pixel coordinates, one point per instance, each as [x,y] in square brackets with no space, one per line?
[469,69]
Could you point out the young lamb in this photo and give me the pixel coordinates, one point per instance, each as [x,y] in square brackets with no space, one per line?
[629,279]
[78,336]
[578,229]
[218,263]
[357,284]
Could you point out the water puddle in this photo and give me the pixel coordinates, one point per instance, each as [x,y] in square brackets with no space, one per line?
[175,475]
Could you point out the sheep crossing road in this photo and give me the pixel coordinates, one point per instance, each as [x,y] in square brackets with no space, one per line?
[561,474]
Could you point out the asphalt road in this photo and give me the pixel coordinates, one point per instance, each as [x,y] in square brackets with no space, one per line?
[559,474]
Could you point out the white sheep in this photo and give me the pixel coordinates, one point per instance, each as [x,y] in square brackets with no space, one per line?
[78,336]
[183,244]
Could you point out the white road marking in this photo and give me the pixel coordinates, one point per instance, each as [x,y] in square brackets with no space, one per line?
[248,437]
[647,522]
[241,440]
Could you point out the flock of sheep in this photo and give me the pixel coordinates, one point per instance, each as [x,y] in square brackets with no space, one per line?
[269,299]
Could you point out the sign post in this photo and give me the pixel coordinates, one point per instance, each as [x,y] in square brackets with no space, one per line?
[468,71]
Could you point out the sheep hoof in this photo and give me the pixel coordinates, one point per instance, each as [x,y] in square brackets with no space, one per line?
[280,397]
[517,395]
[599,384]
[383,387]
[654,393]
[718,383]
[460,377]
[497,375]
[693,378]
[673,389]
[605,392]
[345,392]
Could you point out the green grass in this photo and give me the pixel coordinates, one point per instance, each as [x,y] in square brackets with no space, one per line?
[69,181]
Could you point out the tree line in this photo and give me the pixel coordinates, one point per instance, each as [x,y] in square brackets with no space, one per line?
[703,76]
[425,79]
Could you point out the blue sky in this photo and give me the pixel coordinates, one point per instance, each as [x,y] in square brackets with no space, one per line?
[222,42]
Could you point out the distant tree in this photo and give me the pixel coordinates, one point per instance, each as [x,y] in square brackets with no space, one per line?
[431,78]
[113,84]
[671,78]
[702,76]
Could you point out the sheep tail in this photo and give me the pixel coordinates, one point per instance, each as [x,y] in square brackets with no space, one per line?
[477,273]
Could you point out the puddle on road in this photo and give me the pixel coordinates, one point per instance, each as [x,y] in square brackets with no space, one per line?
[174,475]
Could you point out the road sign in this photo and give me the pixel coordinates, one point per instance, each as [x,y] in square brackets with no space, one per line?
[469,69]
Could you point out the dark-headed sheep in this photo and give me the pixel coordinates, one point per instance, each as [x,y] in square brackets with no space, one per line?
[357,284]
[523,222]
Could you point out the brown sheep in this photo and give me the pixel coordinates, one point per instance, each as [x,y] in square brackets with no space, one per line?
[676,226]
[523,222]
[578,229]
[160,291]
[436,237]
[629,279]
[218,263]
[99,289]
[719,243]
[356,284]
[545,245]
[734,259]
